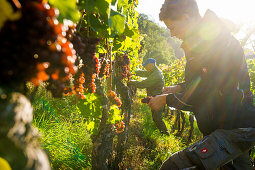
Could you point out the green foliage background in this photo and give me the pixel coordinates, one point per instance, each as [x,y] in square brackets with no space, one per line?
[155,41]
[67,126]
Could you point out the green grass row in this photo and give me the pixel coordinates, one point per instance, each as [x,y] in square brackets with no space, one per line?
[66,138]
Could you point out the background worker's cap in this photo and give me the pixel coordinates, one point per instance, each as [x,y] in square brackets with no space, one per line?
[149,60]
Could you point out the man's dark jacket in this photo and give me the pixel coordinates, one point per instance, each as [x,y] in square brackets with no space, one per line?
[217,83]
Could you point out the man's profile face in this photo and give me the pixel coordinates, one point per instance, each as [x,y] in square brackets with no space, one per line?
[149,66]
[177,27]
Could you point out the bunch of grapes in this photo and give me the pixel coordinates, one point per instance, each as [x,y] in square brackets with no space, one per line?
[105,68]
[114,100]
[70,32]
[120,126]
[84,79]
[123,64]
[35,48]
[146,100]
[86,49]
[78,87]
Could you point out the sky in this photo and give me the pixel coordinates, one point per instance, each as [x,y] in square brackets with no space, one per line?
[238,11]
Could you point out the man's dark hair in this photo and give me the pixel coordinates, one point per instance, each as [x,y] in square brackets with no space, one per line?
[174,9]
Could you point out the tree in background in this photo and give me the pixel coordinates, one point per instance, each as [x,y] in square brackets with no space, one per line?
[175,43]
[157,42]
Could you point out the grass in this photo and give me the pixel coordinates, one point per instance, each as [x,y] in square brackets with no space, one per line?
[67,141]
[64,134]
[147,147]
[68,144]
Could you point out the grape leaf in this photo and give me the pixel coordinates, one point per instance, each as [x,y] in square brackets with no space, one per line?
[122,3]
[7,13]
[114,2]
[101,7]
[117,22]
[67,9]
[97,26]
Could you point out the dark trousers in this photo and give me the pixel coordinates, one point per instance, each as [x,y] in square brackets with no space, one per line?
[241,162]
[158,120]
[225,149]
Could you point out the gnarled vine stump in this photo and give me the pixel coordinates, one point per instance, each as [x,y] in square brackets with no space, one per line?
[126,97]
[18,139]
[103,141]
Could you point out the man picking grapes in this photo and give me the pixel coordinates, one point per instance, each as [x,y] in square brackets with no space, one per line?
[216,89]
[154,84]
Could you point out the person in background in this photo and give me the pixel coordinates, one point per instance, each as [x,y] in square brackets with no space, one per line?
[154,84]
[216,89]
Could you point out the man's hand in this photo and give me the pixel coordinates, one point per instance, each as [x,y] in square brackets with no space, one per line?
[171,89]
[157,102]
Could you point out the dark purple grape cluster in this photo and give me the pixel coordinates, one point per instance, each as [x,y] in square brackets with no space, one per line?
[104,68]
[35,48]
[123,64]
[86,49]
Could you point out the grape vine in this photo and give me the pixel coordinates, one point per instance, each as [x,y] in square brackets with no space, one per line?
[120,126]
[123,67]
[39,51]
[65,57]
[114,100]
[105,68]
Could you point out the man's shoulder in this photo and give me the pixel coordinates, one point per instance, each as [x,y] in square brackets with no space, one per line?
[218,37]
[225,23]
[157,70]
[213,28]
[209,36]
